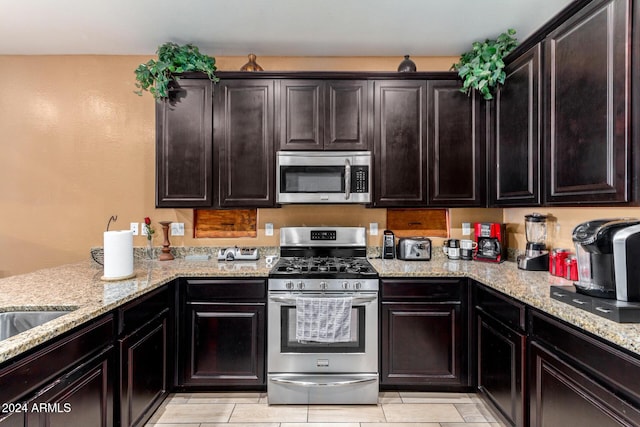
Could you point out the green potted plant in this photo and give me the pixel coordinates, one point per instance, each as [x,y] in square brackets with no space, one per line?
[482,68]
[173,59]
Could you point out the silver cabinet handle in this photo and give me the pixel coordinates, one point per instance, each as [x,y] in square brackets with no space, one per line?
[323,384]
[292,300]
[347,179]
[604,310]
[577,301]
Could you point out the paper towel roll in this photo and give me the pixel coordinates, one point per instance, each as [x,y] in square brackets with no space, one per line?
[118,255]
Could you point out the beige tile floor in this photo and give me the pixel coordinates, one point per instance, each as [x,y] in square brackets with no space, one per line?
[394,409]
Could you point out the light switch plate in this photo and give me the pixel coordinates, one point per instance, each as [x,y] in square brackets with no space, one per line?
[177,228]
[268,229]
[466,228]
[134,227]
[373,228]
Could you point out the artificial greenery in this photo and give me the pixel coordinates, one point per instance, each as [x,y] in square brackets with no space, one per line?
[482,68]
[155,76]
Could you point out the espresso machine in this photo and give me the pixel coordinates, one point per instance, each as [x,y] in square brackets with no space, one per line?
[491,238]
[536,256]
[607,252]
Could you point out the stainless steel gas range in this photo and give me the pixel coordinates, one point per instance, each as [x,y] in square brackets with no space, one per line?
[323,319]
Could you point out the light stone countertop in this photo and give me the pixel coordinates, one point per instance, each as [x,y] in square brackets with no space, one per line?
[78,286]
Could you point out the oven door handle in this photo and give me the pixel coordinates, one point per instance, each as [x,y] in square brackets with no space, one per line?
[292,300]
[310,383]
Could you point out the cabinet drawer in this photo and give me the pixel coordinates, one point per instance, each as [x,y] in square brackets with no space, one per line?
[500,307]
[430,290]
[226,289]
[141,310]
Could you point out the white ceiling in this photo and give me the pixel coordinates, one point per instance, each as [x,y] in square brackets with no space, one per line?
[265,27]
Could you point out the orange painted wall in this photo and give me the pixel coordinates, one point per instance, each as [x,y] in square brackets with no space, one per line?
[78,147]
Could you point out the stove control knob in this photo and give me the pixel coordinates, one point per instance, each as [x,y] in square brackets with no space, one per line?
[345,285]
[324,286]
[300,285]
[357,286]
[288,284]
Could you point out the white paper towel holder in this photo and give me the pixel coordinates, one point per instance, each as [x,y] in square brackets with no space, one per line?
[128,263]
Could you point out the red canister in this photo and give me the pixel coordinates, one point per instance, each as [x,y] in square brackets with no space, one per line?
[571,268]
[561,256]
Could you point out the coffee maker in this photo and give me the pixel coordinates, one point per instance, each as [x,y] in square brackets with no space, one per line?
[607,250]
[491,238]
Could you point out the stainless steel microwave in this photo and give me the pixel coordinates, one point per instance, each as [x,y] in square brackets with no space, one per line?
[323,177]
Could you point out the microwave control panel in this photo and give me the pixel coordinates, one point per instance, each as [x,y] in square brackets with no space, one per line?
[359,179]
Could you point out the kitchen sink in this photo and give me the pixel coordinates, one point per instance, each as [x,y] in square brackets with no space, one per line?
[15,322]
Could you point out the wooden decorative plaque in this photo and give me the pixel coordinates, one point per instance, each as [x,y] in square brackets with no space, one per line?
[418,222]
[225,223]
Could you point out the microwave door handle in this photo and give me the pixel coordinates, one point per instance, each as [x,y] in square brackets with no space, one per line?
[347,179]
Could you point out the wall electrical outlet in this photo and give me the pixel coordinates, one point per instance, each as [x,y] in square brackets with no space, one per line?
[177,228]
[134,227]
[268,229]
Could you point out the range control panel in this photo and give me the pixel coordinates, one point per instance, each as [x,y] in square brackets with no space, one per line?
[323,234]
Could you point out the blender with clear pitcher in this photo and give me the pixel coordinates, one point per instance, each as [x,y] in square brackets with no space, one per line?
[536,256]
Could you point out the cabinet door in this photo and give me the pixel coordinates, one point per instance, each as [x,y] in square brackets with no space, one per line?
[346,115]
[143,380]
[226,344]
[587,132]
[184,146]
[84,397]
[243,137]
[456,146]
[301,115]
[560,395]
[400,143]
[514,168]
[501,365]
[422,344]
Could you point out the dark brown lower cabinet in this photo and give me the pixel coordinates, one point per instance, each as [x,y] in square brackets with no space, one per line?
[424,334]
[224,335]
[501,354]
[146,351]
[577,380]
[68,382]
[84,397]
[501,343]
[143,370]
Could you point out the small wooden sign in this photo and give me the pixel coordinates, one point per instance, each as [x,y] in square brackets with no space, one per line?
[225,223]
[418,222]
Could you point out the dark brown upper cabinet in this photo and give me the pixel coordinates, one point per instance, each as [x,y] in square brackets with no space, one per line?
[324,115]
[514,165]
[456,135]
[184,146]
[400,143]
[243,139]
[587,138]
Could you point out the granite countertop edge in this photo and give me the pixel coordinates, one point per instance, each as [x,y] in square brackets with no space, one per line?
[79,287]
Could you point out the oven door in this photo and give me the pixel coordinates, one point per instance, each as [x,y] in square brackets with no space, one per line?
[323,177]
[287,355]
